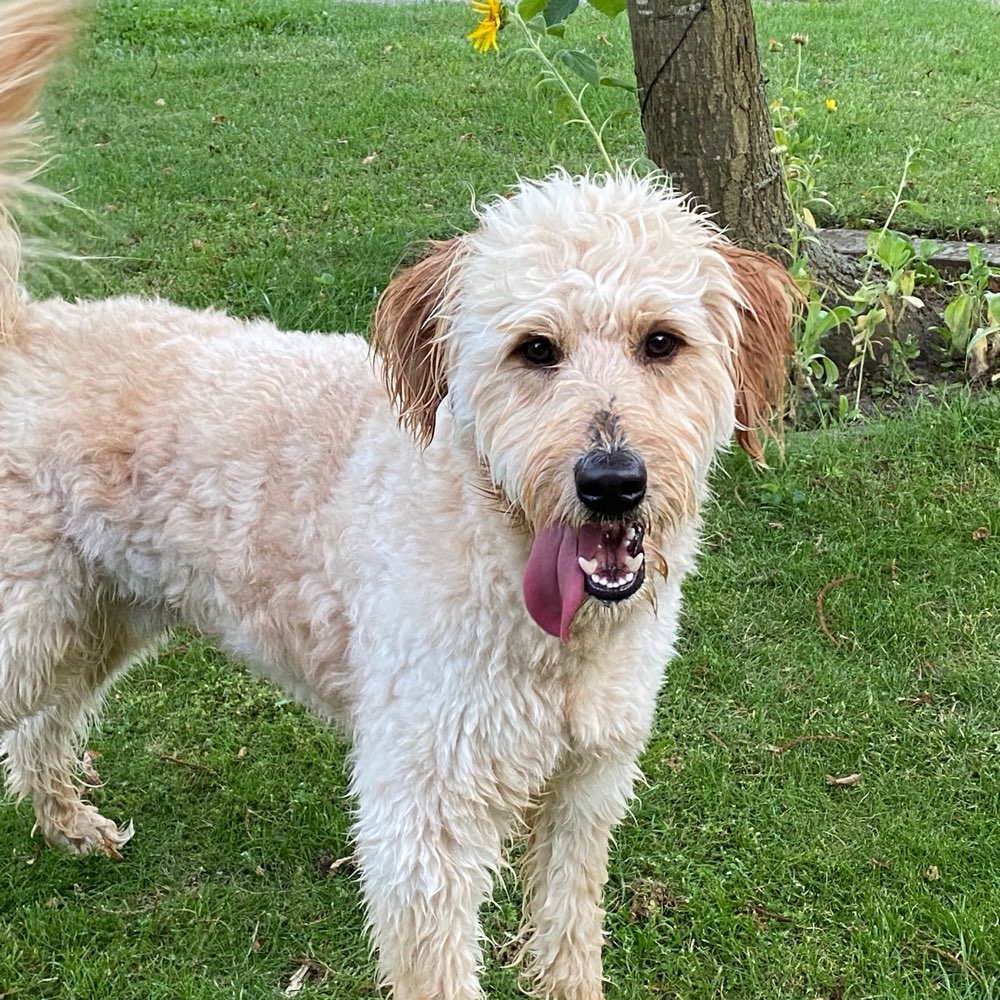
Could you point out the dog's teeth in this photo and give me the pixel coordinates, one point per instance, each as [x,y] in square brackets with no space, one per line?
[634,562]
[630,534]
[589,566]
[629,577]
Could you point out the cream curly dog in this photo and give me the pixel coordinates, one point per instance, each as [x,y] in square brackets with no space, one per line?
[469,553]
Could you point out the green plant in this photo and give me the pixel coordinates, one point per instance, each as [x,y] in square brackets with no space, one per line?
[972,317]
[895,268]
[542,24]
[815,370]
[800,149]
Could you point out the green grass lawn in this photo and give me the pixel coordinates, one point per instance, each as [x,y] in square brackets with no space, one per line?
[277,158]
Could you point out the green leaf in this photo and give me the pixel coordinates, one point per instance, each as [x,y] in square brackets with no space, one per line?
[892,250]
[993,307]
[981,335]
[609,8]
[564,107]
[958,319]
[614,81]
[530,8]
[821,321]
[556,30]
[831,374]
[976,259]
[580,63]
[537,25]
[558,10]
[622,114]
[928,248]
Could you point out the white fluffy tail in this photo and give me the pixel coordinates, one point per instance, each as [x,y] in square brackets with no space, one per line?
[33,34]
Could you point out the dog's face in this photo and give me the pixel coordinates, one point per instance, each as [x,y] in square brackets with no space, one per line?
[598,342]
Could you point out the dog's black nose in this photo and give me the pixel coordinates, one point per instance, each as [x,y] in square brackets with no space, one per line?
[610,482]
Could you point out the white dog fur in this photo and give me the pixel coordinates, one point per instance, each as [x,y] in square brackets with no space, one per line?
[372,536]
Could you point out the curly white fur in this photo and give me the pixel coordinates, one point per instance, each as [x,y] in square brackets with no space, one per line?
[160,466]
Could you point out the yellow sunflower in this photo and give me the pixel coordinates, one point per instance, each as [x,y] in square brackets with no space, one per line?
[484,37]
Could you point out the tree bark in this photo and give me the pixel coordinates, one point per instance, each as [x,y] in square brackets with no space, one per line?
[705,114]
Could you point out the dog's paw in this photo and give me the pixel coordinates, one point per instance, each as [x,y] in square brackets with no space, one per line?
[79,828]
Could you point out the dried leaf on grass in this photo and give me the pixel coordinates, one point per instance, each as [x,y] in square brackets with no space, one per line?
[840,580]
[650,897]
[926,698]
[764,915]
[195,765]
[955,959]
[308,968]
[844,781]
[298,979]
[327,863]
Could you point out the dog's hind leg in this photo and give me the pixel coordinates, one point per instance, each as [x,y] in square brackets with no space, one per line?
[42,752]
[565,868]
[62,639]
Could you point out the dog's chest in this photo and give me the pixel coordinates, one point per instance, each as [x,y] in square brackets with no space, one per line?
[609,680]
[601,708]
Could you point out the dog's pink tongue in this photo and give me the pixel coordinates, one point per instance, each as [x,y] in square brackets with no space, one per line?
[553,580]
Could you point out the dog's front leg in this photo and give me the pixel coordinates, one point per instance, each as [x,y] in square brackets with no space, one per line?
[565,869]
[429,836]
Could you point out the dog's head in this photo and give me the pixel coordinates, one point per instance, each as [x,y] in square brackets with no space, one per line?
[597,341]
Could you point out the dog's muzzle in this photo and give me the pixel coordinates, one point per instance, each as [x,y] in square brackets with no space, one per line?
[603,557]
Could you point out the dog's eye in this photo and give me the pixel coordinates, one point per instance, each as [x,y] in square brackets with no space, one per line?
[539,352]
[660,345]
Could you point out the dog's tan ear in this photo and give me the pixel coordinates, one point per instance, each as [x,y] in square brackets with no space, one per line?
[761,357]
[408,333]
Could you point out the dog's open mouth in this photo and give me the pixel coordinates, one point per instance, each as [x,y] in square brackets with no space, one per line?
[602,558]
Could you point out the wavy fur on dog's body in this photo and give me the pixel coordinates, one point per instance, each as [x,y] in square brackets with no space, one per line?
[368,550]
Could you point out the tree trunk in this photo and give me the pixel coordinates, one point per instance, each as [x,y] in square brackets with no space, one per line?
[705,114]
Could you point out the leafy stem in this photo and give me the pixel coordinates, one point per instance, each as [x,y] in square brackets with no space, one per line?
[533,31]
